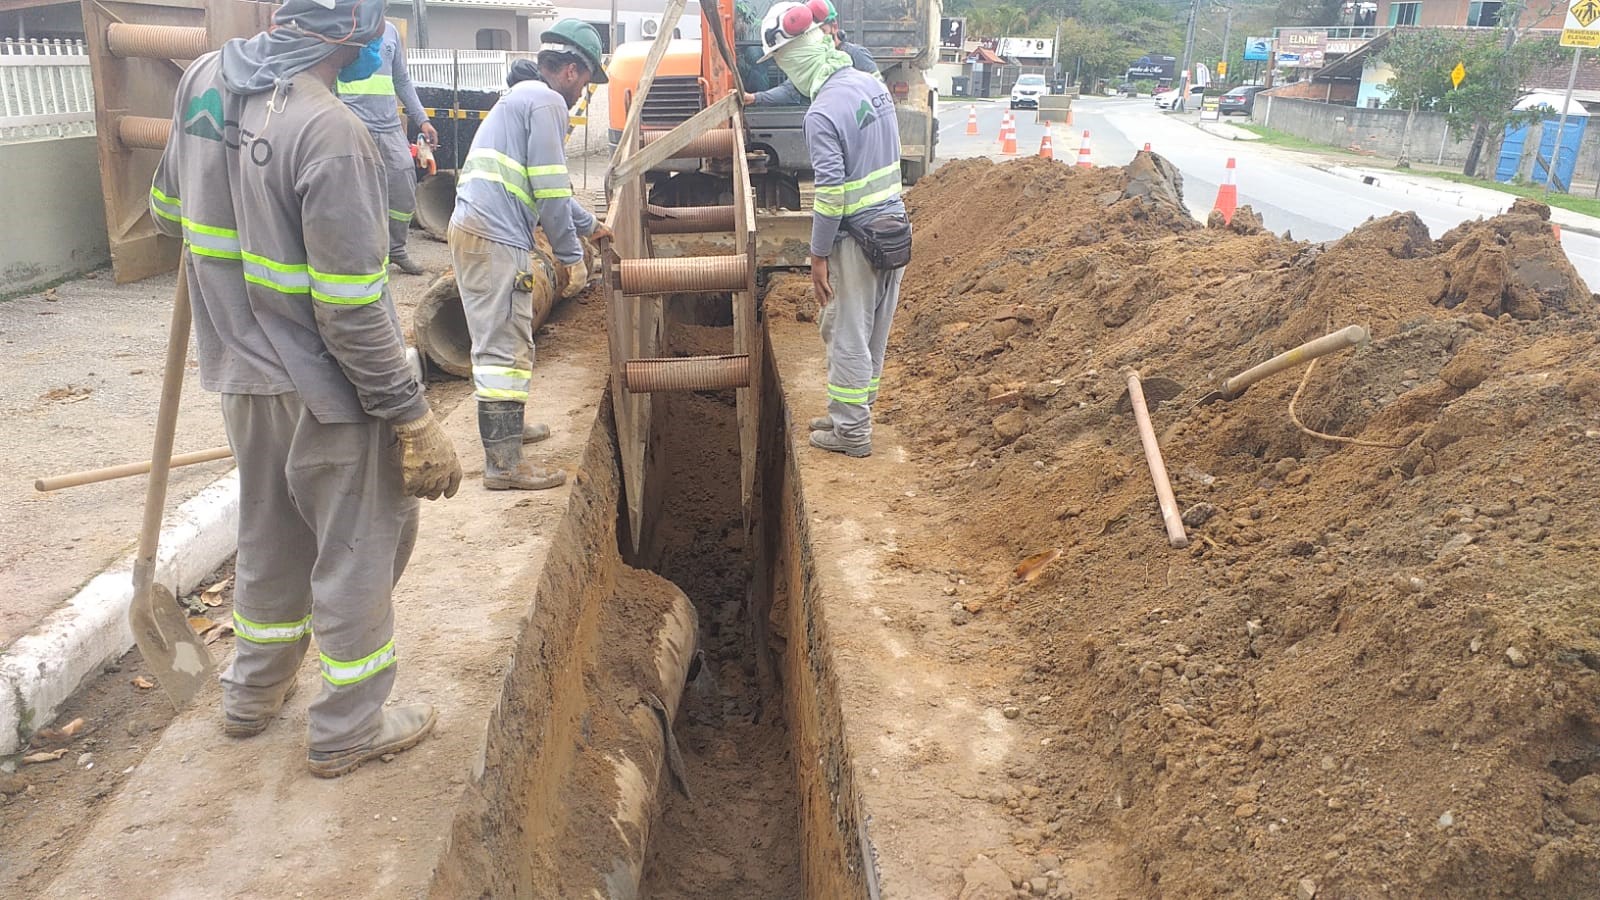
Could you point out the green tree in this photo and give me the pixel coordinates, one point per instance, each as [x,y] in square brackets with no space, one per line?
[1421,59]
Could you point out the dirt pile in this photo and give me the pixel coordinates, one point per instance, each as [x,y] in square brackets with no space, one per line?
[1375,671]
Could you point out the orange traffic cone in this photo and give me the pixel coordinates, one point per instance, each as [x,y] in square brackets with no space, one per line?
[1227,194]
[1083,152]
[1069,115]
[1045,149]
[1147,148]
[1005,122]
[1556,229]
[1008,147]
[972,119]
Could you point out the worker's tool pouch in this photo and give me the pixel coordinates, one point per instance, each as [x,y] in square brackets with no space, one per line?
[886,240]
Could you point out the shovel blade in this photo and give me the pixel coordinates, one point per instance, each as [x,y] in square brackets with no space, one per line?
[176,655]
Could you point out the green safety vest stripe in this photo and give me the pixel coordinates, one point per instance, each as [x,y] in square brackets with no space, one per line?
[529,184]
[840,200]
[505,371]
[286,278]
[377,85]
[499,394]
[399,216]
[342,673]
[270,633]
[853,396]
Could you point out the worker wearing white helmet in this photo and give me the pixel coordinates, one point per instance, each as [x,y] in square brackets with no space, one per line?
[860,236]
[827,18]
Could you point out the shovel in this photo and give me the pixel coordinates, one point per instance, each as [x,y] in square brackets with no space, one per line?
[176,655]
[1234,387]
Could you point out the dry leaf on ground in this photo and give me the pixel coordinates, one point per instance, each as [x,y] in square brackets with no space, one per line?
[142,683]
[212,596]
[46,756]
[1034,566]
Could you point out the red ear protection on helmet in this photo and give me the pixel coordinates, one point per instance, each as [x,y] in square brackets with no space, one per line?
[819,10]
[797,19]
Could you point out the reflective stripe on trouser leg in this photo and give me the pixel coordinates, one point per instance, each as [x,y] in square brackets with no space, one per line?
[499,317]
[347,486]
[865,301]
[272,572]
[400,179]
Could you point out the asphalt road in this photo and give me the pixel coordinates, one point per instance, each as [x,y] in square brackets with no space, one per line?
[1290,193]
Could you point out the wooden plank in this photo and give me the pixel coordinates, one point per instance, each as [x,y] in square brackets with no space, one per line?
[746,326]
[711,10]
[647,78]
[655,153]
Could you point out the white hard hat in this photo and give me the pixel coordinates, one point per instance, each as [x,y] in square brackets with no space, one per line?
[783,23]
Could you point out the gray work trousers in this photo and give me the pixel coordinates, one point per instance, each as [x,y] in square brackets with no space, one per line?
[855,330]
[499,317]
[400,176]
[324,533]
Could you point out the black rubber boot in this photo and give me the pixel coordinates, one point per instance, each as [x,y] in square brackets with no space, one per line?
[406,264]
[500,426]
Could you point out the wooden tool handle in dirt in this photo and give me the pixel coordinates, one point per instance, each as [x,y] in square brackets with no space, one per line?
[1322,346]
[1170,517]
[179,659]
[127,470]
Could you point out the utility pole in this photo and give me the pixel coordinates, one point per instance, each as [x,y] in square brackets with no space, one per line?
[419,12]
[1227,28]
[1188,57]
[611,44]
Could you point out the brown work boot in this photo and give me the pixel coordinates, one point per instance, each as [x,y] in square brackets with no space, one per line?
[822,423]
[403,728]
[525,477]
[406,264]
[236,727]
[829,440]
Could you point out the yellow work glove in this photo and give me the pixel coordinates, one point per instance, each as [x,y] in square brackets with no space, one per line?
[577,278]
[428,460]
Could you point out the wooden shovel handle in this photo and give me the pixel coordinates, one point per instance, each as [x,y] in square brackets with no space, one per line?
[126,470]
[1348,336]
[155,496]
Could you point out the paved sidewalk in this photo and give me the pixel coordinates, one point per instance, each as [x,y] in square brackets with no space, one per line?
[1487,201]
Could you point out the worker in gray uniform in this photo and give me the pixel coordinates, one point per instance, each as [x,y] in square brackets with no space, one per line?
[860,236]
[372,99]
[277,192]
[786,94]
[514,180]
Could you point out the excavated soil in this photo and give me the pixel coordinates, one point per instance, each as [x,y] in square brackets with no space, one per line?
[1375,670]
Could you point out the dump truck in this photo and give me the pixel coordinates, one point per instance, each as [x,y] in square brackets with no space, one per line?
[901,35]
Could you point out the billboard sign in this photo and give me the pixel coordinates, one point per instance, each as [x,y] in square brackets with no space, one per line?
[1154,68]
[1257,49]
[1307,47]
[953,32]
[1027,48]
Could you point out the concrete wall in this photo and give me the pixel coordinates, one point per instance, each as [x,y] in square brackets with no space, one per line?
[1374,130]
[57,227]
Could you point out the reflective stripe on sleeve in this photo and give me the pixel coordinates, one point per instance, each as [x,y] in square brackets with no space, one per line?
[529,184]
[165,207]
[399,216]
[270,633]
[375,86]
[500,383]
[348,290]
[211,240]
[342,673]
[281,277]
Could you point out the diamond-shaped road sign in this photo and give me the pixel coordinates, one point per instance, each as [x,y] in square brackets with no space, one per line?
[1582,28]
[1457,75]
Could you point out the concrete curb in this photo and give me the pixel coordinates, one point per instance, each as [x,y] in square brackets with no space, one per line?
[41,669]
[1226,131]
[1465,196]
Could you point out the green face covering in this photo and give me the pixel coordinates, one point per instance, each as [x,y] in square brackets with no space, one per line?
[809,59]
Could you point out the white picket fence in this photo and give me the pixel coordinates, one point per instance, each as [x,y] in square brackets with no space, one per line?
[465,70]
[45,90]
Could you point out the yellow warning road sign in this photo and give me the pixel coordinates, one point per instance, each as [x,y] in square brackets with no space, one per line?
[1457,75]
[1582,28]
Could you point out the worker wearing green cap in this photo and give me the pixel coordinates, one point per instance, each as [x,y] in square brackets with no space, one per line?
[513,181]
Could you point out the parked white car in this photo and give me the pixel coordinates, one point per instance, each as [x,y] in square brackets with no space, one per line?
[1169,99]
[1027,90]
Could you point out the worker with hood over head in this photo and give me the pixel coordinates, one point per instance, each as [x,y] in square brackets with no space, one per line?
[376,100]
[277,192]
[513,181]
[860,236]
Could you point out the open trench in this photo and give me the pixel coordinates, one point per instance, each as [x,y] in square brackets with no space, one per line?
[713,625]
